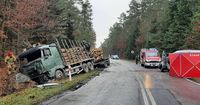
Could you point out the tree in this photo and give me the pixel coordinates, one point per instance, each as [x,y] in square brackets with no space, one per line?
[123,34]
[86,27]
[24,22]
[180,14]
[192,40]
[24,16]
[73,22]
[5,5]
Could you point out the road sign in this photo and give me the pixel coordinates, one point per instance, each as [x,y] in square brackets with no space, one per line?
[132,52]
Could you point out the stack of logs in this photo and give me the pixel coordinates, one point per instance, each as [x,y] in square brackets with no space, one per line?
[74,55]
[97,53]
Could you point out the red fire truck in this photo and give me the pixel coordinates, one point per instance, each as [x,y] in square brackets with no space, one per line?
[150,57]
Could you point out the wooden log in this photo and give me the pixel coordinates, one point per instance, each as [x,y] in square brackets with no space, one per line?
[63,50]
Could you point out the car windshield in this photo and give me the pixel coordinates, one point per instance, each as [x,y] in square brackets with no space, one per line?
[30,57]
[115,55]
[152,54]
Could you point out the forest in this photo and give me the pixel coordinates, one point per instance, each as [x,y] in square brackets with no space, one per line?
[168,25]
[25,22]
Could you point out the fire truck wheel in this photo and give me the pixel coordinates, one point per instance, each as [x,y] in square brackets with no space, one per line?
[162,69]
[142,65]
[85,67]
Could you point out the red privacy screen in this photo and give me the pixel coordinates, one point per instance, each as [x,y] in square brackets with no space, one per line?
[185,64]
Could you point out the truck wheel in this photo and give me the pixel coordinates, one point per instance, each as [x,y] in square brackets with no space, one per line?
[90,66]
[142,65]
[105,65]
[109,63]
[42,79]
[160,66]
[59,75]
[162,69]
[85,67]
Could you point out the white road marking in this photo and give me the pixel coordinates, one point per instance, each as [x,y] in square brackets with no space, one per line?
[153,102]
[151,97]
[193,82]
[144,95]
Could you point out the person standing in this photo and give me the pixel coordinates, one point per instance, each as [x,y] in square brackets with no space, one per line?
[10,61]
[137,59]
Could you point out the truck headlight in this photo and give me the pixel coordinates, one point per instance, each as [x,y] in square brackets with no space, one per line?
[147,60]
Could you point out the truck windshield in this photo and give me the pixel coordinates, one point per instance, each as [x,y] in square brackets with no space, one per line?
[30,57]
[152,54]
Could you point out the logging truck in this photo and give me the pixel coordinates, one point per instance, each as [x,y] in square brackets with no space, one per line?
[100,60]
[54,61]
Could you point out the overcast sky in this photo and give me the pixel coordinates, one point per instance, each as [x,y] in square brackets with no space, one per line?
[105,14]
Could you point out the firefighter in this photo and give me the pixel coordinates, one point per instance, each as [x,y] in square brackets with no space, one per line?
[10,61]
[137,59]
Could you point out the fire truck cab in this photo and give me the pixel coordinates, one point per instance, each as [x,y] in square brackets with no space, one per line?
[150,57]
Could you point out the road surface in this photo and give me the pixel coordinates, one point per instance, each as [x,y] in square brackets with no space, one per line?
[125,83]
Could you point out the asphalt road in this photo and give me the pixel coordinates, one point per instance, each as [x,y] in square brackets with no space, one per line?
[125,83]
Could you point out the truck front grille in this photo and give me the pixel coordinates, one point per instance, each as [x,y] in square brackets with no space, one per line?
[153,62]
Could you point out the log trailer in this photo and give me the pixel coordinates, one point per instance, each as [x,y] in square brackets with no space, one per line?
[100,60]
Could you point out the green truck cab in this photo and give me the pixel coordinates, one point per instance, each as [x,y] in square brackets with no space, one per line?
[41,63]
[45,62]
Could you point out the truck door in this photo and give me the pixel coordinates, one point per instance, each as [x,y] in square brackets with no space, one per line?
[48,61]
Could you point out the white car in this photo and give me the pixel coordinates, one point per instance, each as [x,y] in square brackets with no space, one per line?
[114,57]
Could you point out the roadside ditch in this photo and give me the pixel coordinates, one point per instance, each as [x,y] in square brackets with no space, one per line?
[35,96]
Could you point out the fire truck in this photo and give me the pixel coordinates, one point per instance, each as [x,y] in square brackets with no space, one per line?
[150,57]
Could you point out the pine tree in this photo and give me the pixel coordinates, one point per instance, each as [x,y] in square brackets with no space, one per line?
[180,14]
[87,31]
[192,40]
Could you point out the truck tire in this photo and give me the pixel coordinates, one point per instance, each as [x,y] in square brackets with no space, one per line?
[162,69]
[85,67]
[142,64]
[59,75]
[109,63]
[160,66]
[90,66]
[42,79]
[105,65]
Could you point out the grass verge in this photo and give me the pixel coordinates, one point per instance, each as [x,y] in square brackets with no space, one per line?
[34,96]
[197,80]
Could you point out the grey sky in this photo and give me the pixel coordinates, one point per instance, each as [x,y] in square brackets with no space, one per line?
[105,14]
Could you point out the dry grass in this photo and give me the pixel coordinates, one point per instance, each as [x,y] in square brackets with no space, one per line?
[33,96]
[196,80]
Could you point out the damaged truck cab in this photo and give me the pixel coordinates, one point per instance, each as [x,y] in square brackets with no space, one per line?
[41,63]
